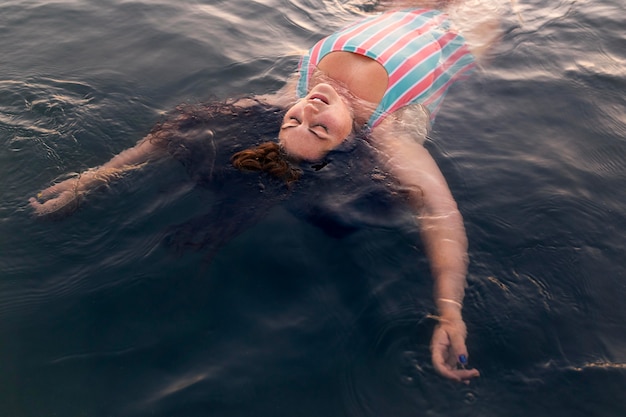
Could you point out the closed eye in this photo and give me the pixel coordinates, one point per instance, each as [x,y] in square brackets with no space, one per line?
[323,127]
[320,134]
[292,122]
[319,130]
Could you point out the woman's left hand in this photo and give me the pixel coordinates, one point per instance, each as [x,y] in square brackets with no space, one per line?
[448,351]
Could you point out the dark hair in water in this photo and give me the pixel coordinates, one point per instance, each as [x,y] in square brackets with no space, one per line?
[224,123]
[267,157]
[212,141]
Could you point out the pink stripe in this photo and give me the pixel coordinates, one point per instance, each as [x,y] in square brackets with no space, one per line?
[421,55]
[402,42]
[315,51]
[314,55]
[408,64]
[431,23]
[338,44]
[384,32]
[451,81]
[450,61]
[433,96]
[341,41]
[445,40]
[349,33]
[414,91]
[444,66]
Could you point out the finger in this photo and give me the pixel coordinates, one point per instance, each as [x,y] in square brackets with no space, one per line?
[442,345]
[440,353]
[37,206]
[441,359]
[438,358]
[58,188]
[465,375]
[442,368]
[459,349]
[53,205]
[458,375]
[448,372]
[49,192]
[439,345]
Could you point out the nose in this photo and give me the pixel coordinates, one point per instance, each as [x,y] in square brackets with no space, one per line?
[311,109]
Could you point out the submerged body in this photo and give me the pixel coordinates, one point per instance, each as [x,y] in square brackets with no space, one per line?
[386,93]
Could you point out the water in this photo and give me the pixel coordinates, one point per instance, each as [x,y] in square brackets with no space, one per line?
[98,318]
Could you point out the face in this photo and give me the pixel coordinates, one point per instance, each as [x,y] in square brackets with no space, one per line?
[316,124]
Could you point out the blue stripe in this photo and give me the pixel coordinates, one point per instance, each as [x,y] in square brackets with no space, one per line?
[387,24]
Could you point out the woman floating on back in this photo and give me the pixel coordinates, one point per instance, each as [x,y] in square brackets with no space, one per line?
[383,79]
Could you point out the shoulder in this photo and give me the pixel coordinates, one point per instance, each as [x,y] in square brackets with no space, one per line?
[411,121]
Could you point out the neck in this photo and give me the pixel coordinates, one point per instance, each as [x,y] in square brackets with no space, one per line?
[361,110]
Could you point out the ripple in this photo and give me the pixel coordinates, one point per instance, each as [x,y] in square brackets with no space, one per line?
[43,109]
[540,174]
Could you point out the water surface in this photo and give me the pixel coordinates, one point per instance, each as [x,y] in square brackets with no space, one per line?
[99,318]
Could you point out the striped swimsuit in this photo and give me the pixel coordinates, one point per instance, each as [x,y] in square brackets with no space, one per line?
[421,55]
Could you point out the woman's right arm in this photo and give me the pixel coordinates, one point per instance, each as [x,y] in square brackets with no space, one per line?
[64,197]
[444,238]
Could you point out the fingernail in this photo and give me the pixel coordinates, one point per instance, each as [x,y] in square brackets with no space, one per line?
[463,359]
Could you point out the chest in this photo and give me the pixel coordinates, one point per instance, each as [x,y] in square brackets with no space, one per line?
[365,77]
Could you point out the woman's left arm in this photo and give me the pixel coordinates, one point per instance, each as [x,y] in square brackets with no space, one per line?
[445,241]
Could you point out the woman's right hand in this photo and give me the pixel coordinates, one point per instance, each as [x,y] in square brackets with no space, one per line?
[59,199]
[447,347]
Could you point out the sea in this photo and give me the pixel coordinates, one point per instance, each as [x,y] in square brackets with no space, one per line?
[100,318]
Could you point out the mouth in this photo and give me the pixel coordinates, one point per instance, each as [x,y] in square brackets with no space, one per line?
[319,98]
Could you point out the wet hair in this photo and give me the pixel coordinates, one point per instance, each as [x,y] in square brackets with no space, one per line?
[215,142]
[268,157]
[192,134]
[218,142]
[239,122]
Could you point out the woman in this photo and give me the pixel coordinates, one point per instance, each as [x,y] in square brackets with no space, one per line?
[382,79]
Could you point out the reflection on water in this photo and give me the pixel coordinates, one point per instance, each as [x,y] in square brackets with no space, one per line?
[97,317]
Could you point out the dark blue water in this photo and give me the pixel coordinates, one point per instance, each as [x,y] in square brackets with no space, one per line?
[99,318]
